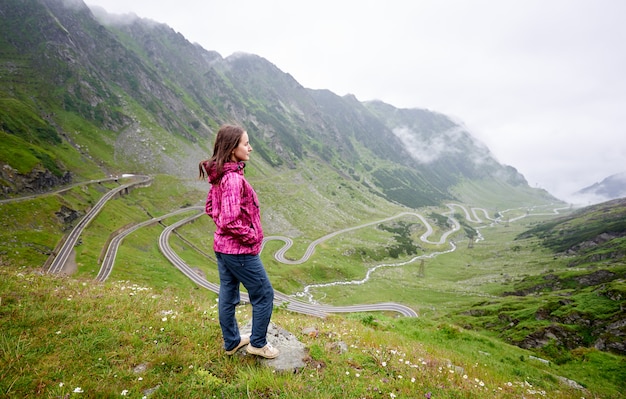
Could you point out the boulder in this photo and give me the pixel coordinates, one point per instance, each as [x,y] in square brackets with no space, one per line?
[292,351]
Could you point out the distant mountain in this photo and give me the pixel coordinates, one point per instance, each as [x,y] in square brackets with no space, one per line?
[84,93]
[612,187]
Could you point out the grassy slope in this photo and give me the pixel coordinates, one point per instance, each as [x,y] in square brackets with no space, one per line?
[101,332]
[61,334]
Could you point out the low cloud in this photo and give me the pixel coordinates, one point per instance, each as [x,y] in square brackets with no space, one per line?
[423,150]
[427,149]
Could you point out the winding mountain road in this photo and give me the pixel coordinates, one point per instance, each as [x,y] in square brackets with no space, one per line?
[109,258]
[61,190]
[280,299]
[66,249]
[280,254]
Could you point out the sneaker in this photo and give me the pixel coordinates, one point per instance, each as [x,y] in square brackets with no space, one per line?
[268,351]
[243,340]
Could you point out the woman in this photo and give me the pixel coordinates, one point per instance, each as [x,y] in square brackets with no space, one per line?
[234,207]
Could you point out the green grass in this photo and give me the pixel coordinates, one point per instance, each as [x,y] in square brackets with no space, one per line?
[33,228]
[16,153]
[61,334]
[490,194]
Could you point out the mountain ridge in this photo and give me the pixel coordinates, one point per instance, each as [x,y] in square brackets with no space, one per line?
[610,188]
[159,99]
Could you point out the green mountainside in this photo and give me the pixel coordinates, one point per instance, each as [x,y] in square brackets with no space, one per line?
[581,293]
[88,99]
[134,96]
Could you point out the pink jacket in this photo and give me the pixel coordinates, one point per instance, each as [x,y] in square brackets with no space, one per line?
[234,207]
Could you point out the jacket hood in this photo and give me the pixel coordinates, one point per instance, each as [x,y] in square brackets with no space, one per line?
[215,176]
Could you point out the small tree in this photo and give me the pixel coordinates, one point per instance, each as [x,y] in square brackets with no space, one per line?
[471,235]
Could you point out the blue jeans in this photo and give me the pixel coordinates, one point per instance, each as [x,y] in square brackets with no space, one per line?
[249,271]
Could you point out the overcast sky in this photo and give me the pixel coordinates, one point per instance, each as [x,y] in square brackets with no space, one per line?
[541,82]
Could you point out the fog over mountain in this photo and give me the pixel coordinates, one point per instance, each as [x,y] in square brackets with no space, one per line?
[612,187]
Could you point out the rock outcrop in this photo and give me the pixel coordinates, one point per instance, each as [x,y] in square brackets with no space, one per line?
[37,181]
[292,351]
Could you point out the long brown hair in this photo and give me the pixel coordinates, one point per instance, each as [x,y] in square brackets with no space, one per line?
[226,141]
